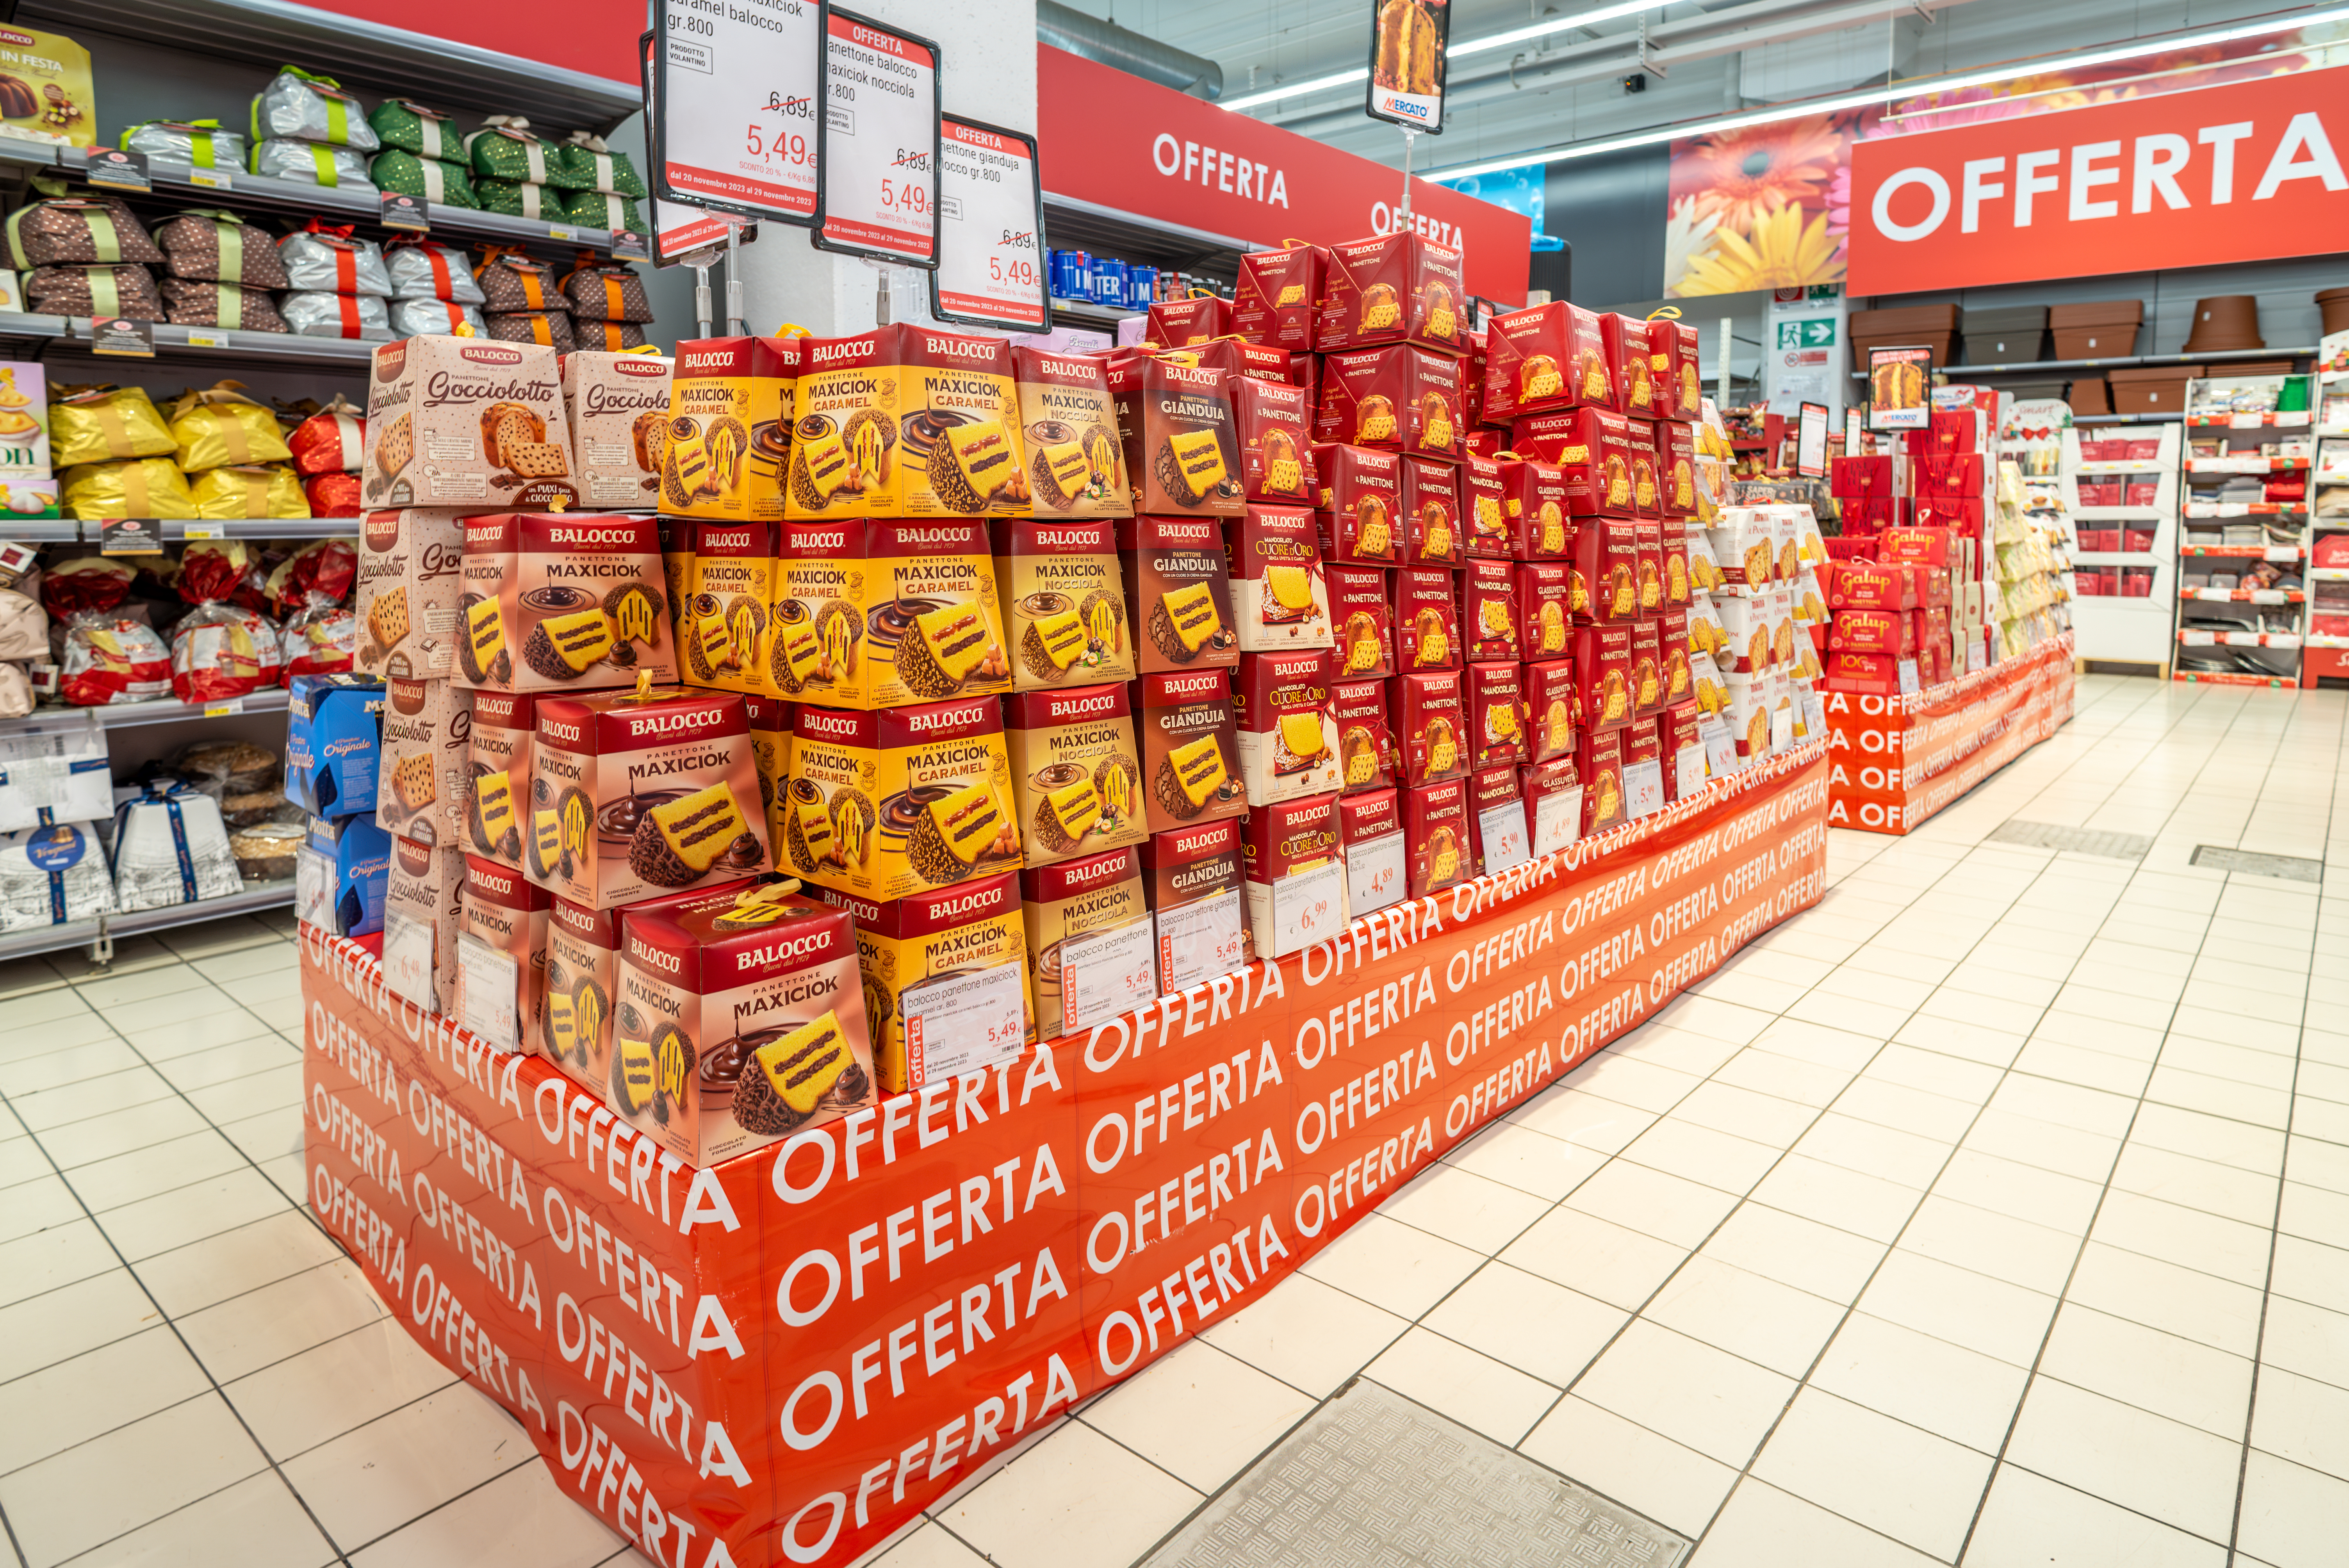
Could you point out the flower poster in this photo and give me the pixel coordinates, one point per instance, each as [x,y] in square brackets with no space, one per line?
[1764,207]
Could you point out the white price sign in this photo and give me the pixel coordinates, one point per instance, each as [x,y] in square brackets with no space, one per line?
[1558,820]
[990,230]
[1693,772]
[314,892]
[1199,941]
[408,959]
[1307,908]
[1374,874]
[1643,787]
[877,168]
[1907,671]
[486,978]
[737,106]
[1720,745]
[962,1023]
[1104,975]
[1502,830]
[1782,727]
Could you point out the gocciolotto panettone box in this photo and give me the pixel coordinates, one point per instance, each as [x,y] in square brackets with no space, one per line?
[421,791]
[637,793]
[904,421]
[965,947]
[410,575]
[466,422]
[1076,773]
[562,599]
[722,450]
[885,805]
[878,612]
[618,408]
[739,1020]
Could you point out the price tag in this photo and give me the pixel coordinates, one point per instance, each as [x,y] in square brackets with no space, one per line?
[130,339]
[1815,711]
[1643,787]
[203,531]
[1693,772]
[990,212]
[629,246]
[562,233]
[408,958]
[1106,975]
[962,1023]
[211,179]
[2244,421]
[2268,596]
[2193,638]
[1501,830]
[399,210]
[486,980]
[877,167]
[1720,745]
[1558,820]
[737,89]
[1907,674]
[2283,552]
[1374,875]
[1782,727]
[199,338]
[129,536]
[225,708]
[314,892]
[117,171]
[1199,941]
[1307,908]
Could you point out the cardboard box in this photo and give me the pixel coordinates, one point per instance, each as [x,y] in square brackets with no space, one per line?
[1649,536]
[1196,319]
[1485,509]
[496,800]
[1282,845]
[1435,830]
[1603,674]
[1190,749]
[1675,468]
[1551,596]
[616,406]
[1430,513]
[726,626]
[771,753]
[1070,910]
[1076,468]
[1180,439]
[1397,288]
[1536,505]
[1488,610]
[1497,714]
[583,961]
[1873,632]
[1274,422]
[410,577]
[1629,362]
[1426,618]
[423,906]
[1279,596]
[1398,398]
[1369,832]
[467,422]
[1187,874]
[722,450]
[1868,585]
[1431,731]
[1673,353]
[334,747]
[1062,599]
[1076,773]
[1598,762]
[883,613]
[1744,547]
[505,914]
[1552,793]
[1647,668]
[885,805]
[1366,744]
[904,421]
[555,602]
[1496,814]
[1362,617]
[353,865]
[1607,557]
[1277,296]
[1542,357]
[1673,637]
[1547,689]
[426,779]
[1177,594]
[1288,739]
[1361,497]
[910,950]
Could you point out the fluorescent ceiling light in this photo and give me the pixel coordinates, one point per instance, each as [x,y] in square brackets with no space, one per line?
[1915,87]
[1471,47]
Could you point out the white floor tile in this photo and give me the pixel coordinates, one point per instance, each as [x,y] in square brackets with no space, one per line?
[1476,1391]
[1847,1200]
[1310,1336]
[1930,1383]
[1533,1162]
[1598,1257]
[1673,1485]
[1826,1262]
[1200,1413]
[82,1498]
[1975,1310]
[295,1404]
[1763,1527]
[522,1519]
[1747,1314]
[370,1481]
[2309,1340]
[1683,1149]
[2291,1515]
[2178,1474]
[2030,1522]
[1073,1500]
[1701,1398]
[2170,1376]
[256,1523]
[2169,1296]
[1897,1480]
[2303,1420]
[1461,1206]
[188,1278]
[1392,1265]
[1874,1150]
[1530,1323]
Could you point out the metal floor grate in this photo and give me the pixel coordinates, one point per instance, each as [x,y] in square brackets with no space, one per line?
[1373,1480]
[2287,867]
[2074,841]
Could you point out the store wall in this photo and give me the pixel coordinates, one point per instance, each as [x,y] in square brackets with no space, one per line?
[2286,290]
[1611,210]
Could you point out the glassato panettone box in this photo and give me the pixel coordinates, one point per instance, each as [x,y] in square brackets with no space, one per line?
[467,422]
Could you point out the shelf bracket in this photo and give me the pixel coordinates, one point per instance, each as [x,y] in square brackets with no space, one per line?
[1647,63]
[101,948]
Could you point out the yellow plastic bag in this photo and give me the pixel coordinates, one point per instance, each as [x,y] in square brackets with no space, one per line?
[221,426]
[105,424]
[142,487]
[241,490]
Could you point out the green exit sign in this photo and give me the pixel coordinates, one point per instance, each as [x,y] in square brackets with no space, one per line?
[1818,333]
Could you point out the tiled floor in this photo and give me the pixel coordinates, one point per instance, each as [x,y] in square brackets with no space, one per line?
[1996,1211]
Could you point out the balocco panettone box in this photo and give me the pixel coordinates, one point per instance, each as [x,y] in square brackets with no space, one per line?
[410,575]
[1547,595]
[964,946]
[1496,710]
[1369,825]
[507,915]
[879,614]
[1536,504]
[563,600]
[1398,398]
[1185,873]
[1647,668]
[1076,773]
[1289,742]
[1089,939]
[1607,556]
[1436,837]
[1426,619]
[1430,725]
[423,908]
[885,805]
[1433,532]
[1280,597]
[1363,620]
[1395,289]
[725,626]
[1483,510]
[1177,593]
[904,421]
[1552,793]
[426,775]
[1361,498]
[1496,813]
[1275,424]
[1548,687]
[1543,358]
[771,753]
[1063,602]
[1076,468]
[1488,609]
[467,422]
[1366,746]
[739,1020]
[1282,844]
[583,965]
[1278,293]
[1626,341]
[1190,749]
[497,803]
[616,406]
[1180,439]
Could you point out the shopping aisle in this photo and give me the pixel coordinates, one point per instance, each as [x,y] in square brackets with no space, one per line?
[1976,1215]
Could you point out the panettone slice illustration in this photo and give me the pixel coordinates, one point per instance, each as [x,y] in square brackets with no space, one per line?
[677,842]
[1443,749]
[1061,472]
[1560,724]
[1676,674]
[633,1074]
[562,1025]
[635,613]
[1435,641]
[1066,815]
[1553,627]
[1652,587]
[1291,294]
[484,647]
[1360,752]
[1486,517]
[1552,522]
[506,425]
[1302,743]
[1501,722]
[811,838]
[970,468]
[547,844]
[948,838]
[493,813]
[1643,683]
[1185,621]
[1493,618]
[685,470]
[396,448]
[1052,644]
[708,639]
[785,1080]
[1374,534]
[1113,782]
[1540,377]
[850,829]
[1594,376]
[589,1009]
[537,460]
[1284,470]
[1442,319]
[1191,466]
[798,649]
[1622,592]
[1578,590]
[1442,856]
[1436,426]
[1382,307]
[1606,791]
[387,620]
[745,621]
[1362,649]
[564,647]
[1615,697]
[1618,482]
[821,470]
[1287,596]
[944,649]
[1435,532]
[412,783]
[1191,775]
[1375,420]
[1676,579]
[1100,614]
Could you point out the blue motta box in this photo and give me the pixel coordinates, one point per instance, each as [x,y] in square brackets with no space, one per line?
[351,859]
[334,744]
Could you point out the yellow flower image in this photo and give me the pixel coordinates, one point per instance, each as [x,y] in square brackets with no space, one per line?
[1787,248]
[1747,174]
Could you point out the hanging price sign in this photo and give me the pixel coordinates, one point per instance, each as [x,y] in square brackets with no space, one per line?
[990,230]
[734,106]
[877,162]
[681,234]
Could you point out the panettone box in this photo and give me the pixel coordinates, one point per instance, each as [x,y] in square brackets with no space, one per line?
[1282,844]
[1362,617]
[616,406]
[904,421]
[1607,556]
[1279,595]
[1742,544]
[1536,508]
[1190,749]
[1648,535]
[1395,289]
[1672,633]
[1552,793]
[884,805]
[1684,764]
[1183,872]
[1745,618]
[1673,353]
[1432,529]
[1430,713]
[1548,690]
[1542,357]
[421,790]
[411,575]
[1497,717]
[1369,827]
[562,601]
[1551,596]
[575,1027]
[1625,339]
[726,625]
[1483,510]
[1275,425]
[879,613]
[1278,293]
[1488,609]
[1063,602]
[423,906]
[1288,739]
[1496,812]
[1361,503]
[1647,668]
[1076,773]
[1676,468]
[1366,745]
[350,859]
[1075,467]
[334,744]
[1089,939]
[507,915]
[639,793]
[1178,597]
[1437,849]
[938,947]
[1672,543]
[1599,761]
[1644,747]
[1194,319]
[676,557]
[1426,618]
[467,422]
[771,753]
[1602,672]
[497,797]
[739,1020]
[1872,585]
[1180,439]
[1398,398]
[721,450]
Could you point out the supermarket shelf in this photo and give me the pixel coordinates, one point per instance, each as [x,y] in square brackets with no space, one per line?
[2127,418]
[50,720]
[2116,558]
[2119,513]
[41,530]
[2329,575]
[2233,677]
[262,527]
[2248,463]
[1084,313]
[2121,362]
[2132,466]
[2247,552]
[227,345]
[2282,642]
[2220,509]
[257,896]
[1090,226]
[20,326]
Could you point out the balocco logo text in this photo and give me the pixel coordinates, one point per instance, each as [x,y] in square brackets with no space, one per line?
[1077,368]
[833,726]
[644,724]
[653,957]
[777,952]
[591,536]
[557,730]
[960,348]
[1084,707]
[945,718]
[844,350]
[1085,876]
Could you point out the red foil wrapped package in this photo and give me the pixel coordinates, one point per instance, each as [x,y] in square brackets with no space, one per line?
[333,495]
[329,441]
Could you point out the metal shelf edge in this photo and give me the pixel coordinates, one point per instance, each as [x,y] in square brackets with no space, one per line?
[144,922]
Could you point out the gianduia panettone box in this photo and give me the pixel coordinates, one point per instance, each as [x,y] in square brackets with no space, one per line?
[497,803]
[904,421]
[1426,618]
[884,805]
[1063,602]
[1275,425]
[1289,742]
[1181,870]
[618,408]
[1284,840]
[505,913]
[411,573]
[726,626]
[771,753]
[878,614]
[1436,837]
[1366,748]
[911,947]
[1076,468]
[1363,621]
[562,599]
[639,793]
[466,422]
[1180,442]
[1279,592]
[1076,773]
[1399,288]
[421,786]
[1178,596]
[739,1020]
[1190,749]
[1065,904]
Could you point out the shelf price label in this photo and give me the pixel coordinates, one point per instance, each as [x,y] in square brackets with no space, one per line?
[1106,975]
[1199,941]
[734,106]
[1376,874]
[991,230]
[964,1022]
[878,143]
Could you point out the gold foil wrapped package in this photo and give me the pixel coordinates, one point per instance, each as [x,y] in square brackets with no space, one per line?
[248,491]
[105,424]
[142,487]
[213,429]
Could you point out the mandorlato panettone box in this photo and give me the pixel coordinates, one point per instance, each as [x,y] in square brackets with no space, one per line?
[467,422]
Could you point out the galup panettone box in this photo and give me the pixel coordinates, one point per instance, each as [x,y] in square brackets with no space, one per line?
[1398,398]
[1395,289]
[1279,595]
[1278,294]
[1289,742]
[1366,746]
[726,626]
[1436,837]
[467,422]
[497,801]
[1089,939]
[1361,498]
[638,793]
[1433,532]
[904,421]
[1180,439]
[1363,621]
[1496,713]
[1488,609]
[740,1019]
[932,950]
[1281,844]
[412,574]
[883,805]
[1177,593]
[1063,597]
[617,408]
[1190,749]
[721,451]
[1076,468]
[1273,423]
[1430,725]
[503,912]
[1076,772]
[879,613]
[425,775]
[1545,356]
[1426,618]
[1186,873]
[563,600]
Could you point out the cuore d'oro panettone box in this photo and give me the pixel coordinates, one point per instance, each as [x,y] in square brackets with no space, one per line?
[1484,509]
[879,612]
[1281,843]
[1278,592]
[497,807]
[739,1020]
[557,601]
[1076,773]
[637,793]
[904,421]
[885,805]
[910,951]
[1289,742]
[1063,602]
[1178,597]
[1076,468]
[1067,909]
[466,422]
[1190,749]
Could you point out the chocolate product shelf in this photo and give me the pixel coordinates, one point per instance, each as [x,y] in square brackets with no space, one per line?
[69,531]
[2127,418]
[103,932]
[1083,313]
[117,716]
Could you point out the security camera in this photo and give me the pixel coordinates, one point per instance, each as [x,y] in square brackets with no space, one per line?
[1637,82]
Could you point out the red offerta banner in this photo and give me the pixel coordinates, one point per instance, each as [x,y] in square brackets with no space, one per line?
[1900,760]
[782,1358]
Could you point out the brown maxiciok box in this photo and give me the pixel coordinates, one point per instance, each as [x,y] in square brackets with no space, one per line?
[1190,749]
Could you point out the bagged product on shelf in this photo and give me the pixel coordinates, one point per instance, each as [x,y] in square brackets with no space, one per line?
[268,852]
[1089,944]
[418,269]
[416,317]
[583,162]
[85,582]
[126,290]
[519,200]
[502,422]
[422,178]
[311,163]
[320,639]
[52,875]
[170,847]
[547,328]
[103,423]
[142,487]
[23,627]
[411,126]
[505,147]
[599,210]
[249,491]
[220,425]
[1076,774]
[298,104]
[221,247]
[608,337]
[905,421]
[187,302]
[883,805]
[198,143]
[335,315]
[92,230]
[554,600]
[221,651]
[510,280]
[331,441]
[333,495]
[615,405]
[605,290]
[322,258]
